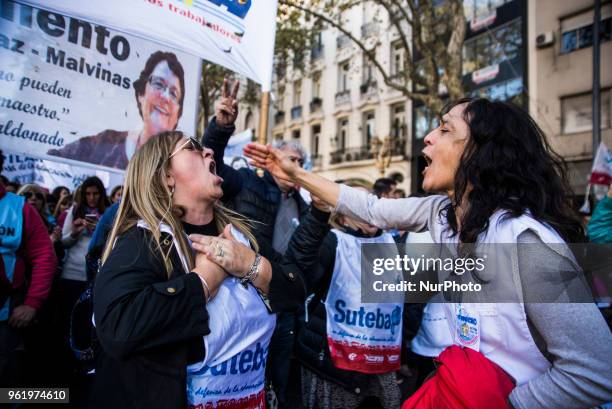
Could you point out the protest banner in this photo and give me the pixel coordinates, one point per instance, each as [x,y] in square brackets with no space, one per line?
[23,169]
[84,94]
[237,34]
[233,151]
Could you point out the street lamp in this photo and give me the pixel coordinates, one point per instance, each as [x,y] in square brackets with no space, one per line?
[382,152]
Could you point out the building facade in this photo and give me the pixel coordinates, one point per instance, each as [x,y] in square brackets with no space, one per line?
[535,53]
[560,47]
[338,107]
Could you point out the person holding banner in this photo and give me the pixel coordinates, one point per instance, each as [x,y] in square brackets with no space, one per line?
[502,184]
[334,353]
[159,307]
[159,92]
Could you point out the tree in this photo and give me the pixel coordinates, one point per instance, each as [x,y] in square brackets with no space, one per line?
[292,38]
[433,31]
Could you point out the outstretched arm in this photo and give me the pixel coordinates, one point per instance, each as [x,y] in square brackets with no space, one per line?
[412,214]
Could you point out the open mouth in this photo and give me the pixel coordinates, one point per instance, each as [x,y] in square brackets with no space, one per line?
[427,160]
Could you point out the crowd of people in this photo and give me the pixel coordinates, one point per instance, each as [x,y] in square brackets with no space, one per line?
[203,286]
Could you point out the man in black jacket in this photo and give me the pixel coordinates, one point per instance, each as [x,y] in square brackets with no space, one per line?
[276,207]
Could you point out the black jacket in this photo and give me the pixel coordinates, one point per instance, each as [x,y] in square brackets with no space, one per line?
[257,199]
[313,249]
[150,327]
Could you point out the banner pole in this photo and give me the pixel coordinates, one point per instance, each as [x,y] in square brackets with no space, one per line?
[263,121]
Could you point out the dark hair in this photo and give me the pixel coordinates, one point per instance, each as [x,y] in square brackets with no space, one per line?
[56,192]
[114,190]
[174,65]
[81,201]
[383,186]
[508,164]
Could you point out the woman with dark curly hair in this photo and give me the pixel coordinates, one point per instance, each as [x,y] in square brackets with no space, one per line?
[499,182]
[159,91]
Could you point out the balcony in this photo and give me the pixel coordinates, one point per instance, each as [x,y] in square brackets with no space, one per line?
[316,52]
[316,104]
[398,147]
[350,155]
[343,97]
[342,41]
[296,113]
[368,89]
[279,117]
[369,29]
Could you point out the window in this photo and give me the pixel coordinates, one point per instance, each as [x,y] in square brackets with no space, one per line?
[295,134]
[397,58]
[368,71]
[577,112]
[583,37]
[343,125]
[511,91]
[478,9]
[577,31]
[343,76]
[493,47]
[424,121]
[369,127]
[398,121]
[316,85]
[316,136]
[297,93]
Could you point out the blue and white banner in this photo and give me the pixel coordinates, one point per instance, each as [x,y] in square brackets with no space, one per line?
[23,169]
[85,94]
[237,34]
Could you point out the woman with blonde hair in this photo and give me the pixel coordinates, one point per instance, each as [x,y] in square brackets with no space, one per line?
[178,327]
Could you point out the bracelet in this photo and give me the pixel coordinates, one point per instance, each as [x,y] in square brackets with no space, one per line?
[206,287]
[253,272]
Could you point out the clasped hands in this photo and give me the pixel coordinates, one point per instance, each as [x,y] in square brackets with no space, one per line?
[221,256]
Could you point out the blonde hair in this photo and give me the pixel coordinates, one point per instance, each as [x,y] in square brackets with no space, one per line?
[31,187]
[62,201]
[146,196]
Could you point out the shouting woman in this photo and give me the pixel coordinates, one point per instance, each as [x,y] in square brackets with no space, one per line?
[500,183]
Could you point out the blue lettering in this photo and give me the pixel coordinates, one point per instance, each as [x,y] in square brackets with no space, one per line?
[469,320]
[233,369]
[238,8]
[339,317]
[245,361]
[220,369]
[368,319]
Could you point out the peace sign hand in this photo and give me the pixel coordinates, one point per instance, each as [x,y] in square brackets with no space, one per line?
[226,109]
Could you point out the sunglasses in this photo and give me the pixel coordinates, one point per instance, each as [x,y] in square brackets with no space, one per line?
[190,144]
[37,195]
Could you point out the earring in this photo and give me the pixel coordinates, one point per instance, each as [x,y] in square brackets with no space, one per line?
[171,191]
